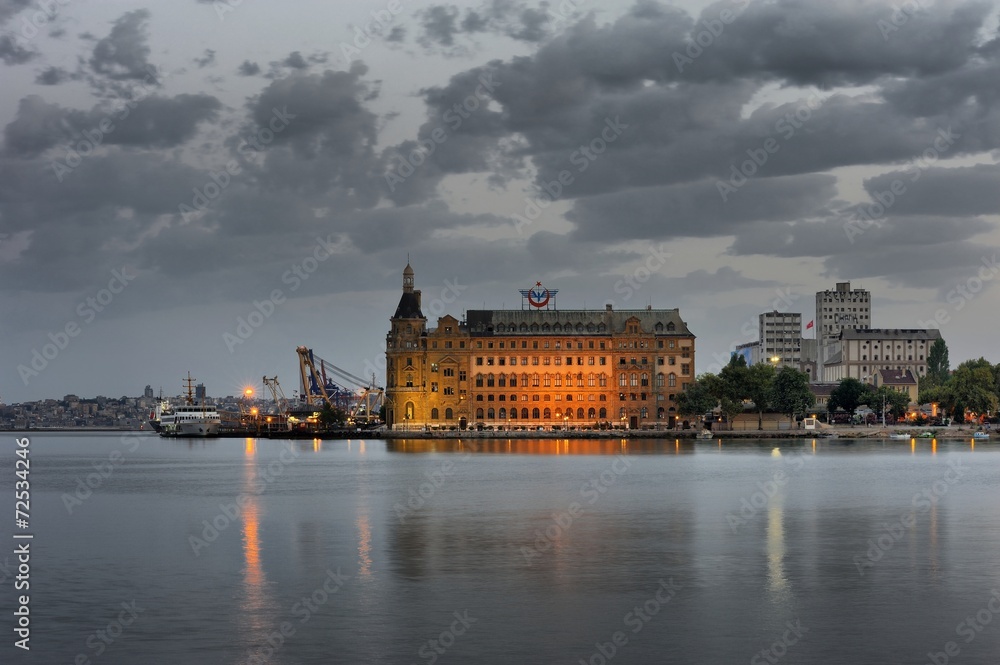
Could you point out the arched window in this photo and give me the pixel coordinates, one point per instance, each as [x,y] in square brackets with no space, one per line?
[558,380]
[579,327]
[672,380]
[591,380]
[502,413]
[591,328]
[490,381]
[621,412]
[534,380]
[523,327]
[603,413]
[645,380]
[579,380]
[603,380]
[479,413]
[556,328]
[513,381]
[579,413]
[524,380]
[671,327]
[621,380]
[644,412]
[658,327]
[546,327]
[500,328]
[591,413]
[660,380]
[547,413]
[634,380]
[408,410]
[449,414]
[569,413]
[569,398]
[534,327]
[491,414]
[535,414]
[660,412]
[546,381]
[524,414]
[479,380]
[434,414]
[502,380]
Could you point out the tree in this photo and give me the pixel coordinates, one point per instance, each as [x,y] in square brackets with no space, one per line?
[730,387]
[894,401]
[760,384]
[696,400]
[791,392]
[937,363]
[974,388]
[849,395]
[332,416]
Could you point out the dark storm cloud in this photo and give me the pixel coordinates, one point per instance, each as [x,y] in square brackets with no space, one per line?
[8,8]
[958,191]
[295,61]
[52,76]
[13,53]
[155,122]
[249,68]
[124,53]
[327,144]
[696,210]
[528,22]
[207,59]
[396,35]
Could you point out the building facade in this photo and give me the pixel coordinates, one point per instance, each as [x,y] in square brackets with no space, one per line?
[780,335]
[535,367]
[861,353]
[841,309]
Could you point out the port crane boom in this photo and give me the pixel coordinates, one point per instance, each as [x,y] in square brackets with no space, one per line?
[362,400]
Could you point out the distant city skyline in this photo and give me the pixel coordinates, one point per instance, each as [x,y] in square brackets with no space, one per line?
[206,186]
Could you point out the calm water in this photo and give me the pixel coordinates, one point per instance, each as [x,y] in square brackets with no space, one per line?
[524,552]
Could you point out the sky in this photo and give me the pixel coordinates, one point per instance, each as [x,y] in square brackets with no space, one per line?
[204,186]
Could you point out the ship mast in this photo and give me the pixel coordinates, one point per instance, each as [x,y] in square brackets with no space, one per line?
[190,390]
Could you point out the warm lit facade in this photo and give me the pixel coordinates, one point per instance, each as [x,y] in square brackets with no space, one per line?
[860,354]
[535,367]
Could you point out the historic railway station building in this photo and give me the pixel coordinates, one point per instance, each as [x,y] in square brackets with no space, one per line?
[536,366]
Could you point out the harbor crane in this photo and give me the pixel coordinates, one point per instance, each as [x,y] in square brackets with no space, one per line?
[362,401]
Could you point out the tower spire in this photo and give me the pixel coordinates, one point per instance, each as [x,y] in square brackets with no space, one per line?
[407,277]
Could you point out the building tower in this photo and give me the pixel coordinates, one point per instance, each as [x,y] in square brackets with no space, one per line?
[841,309]
[404,366]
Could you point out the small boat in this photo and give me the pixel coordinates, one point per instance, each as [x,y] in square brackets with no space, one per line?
[900,436]
[925,435]
[980,435]
[705,434]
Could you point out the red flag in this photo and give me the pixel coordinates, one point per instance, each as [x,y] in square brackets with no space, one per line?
[809,325]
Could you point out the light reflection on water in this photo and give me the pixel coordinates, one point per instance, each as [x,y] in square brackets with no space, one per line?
[335,507]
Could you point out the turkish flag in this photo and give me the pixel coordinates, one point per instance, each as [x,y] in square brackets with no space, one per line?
[809,325]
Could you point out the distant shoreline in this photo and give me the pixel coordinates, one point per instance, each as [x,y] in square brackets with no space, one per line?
[831,433]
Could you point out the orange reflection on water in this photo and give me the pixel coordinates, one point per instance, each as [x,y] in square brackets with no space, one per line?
[250,446]
[364,546]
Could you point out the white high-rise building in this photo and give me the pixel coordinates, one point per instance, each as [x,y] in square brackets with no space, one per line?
[841,309]
[780,335]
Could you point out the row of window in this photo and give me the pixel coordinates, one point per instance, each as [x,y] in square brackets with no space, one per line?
[547,413]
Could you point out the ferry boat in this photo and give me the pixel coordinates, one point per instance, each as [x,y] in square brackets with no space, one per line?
[900,436]
[189,419]
[980,435]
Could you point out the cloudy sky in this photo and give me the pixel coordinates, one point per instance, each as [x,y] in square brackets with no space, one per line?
[204,186]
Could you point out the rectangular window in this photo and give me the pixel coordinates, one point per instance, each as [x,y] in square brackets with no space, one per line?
[479,360]
[448,390]
[462,375]
[434,386]
[604,361]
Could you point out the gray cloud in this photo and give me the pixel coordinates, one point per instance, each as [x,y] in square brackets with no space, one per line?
[249,68]
[52,76]
[124,53]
